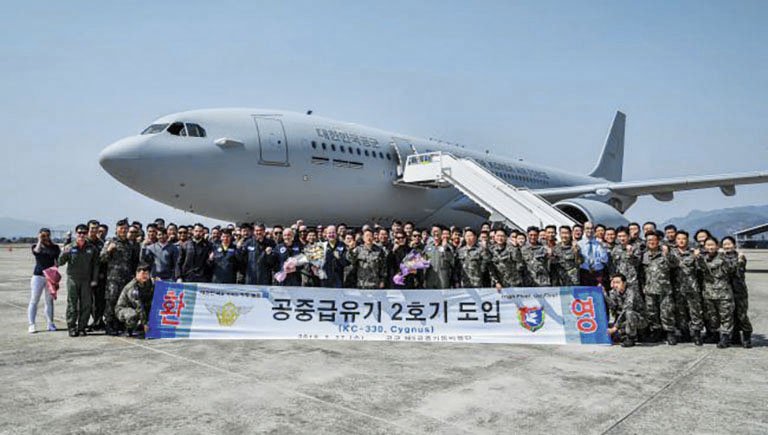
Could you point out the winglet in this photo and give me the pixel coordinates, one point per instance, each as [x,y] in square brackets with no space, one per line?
[611,162]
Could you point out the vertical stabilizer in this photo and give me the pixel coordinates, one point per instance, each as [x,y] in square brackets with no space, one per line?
[611,161]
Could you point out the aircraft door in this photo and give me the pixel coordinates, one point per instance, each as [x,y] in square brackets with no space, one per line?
[403,148]
[273,147]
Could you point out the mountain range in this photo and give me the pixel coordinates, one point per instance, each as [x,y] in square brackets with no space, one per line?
[722,222]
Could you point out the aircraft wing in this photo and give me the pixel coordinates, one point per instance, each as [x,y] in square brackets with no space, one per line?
[662,189]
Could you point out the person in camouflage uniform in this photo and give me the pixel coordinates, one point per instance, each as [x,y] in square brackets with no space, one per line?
[635,238]
[638,248]
[82,275]
[740,294]
[627,308]
[309,276]
[414,279]
[121,257]
[506,262]
[135,301]
[701,235]
[536,259]
[657,264]
[473,262]
[670,237]
[350,275]
[369,262]
[566,260]
[624,259]
[442,259]
[687,294]
[716,272]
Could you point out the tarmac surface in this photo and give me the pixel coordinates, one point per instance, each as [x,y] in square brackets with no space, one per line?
[50,383]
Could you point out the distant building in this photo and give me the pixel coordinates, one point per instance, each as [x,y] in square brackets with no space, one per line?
[755,237]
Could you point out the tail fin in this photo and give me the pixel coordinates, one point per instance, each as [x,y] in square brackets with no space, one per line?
[611,160]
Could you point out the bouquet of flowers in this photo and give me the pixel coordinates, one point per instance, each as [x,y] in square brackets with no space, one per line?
[316,257]
[290,266]
[412,262]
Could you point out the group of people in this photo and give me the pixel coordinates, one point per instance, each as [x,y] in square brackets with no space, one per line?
[657,284]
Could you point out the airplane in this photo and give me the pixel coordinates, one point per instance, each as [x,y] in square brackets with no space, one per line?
[274,166]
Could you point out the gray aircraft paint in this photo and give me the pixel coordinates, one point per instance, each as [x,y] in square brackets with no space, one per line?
[237,174]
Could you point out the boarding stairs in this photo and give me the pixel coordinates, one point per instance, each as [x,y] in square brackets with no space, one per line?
[516,207]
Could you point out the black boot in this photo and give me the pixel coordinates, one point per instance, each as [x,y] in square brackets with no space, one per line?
[710,338]
[685,336]
[110,330]
[628,342]
[671,339]
[725,340]
[697,340]
[73,333]
[736,338]
[654,336]
[82,333]
[746,340]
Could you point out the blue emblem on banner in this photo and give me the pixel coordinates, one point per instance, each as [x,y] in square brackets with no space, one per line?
[531,318]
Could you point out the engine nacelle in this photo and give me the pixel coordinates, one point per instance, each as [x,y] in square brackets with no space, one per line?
[583,210]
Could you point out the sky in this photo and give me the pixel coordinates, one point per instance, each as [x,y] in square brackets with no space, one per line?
[539,80]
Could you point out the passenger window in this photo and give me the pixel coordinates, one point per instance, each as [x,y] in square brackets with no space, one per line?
[366,153]
[177,129]
[333,147]
[314,145]
[358,151]
[381,155]
[324,147]
[389,156]
[341,148]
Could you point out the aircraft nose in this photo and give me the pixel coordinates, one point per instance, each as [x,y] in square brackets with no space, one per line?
[121,159]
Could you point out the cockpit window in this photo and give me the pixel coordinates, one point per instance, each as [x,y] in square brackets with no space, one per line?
[154,129]
[177,129]
[195,130]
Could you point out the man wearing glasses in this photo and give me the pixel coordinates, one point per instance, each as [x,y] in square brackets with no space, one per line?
[182,235]
[82,274]
[399,251]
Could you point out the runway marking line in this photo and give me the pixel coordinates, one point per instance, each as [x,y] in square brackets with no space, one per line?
[656,394]
[673,381]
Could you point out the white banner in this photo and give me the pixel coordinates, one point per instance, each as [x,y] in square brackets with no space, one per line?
[549,315]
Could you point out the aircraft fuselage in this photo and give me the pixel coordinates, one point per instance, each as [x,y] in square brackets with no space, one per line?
[275,167]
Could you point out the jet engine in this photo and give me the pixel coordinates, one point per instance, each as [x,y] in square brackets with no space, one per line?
[583,210]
